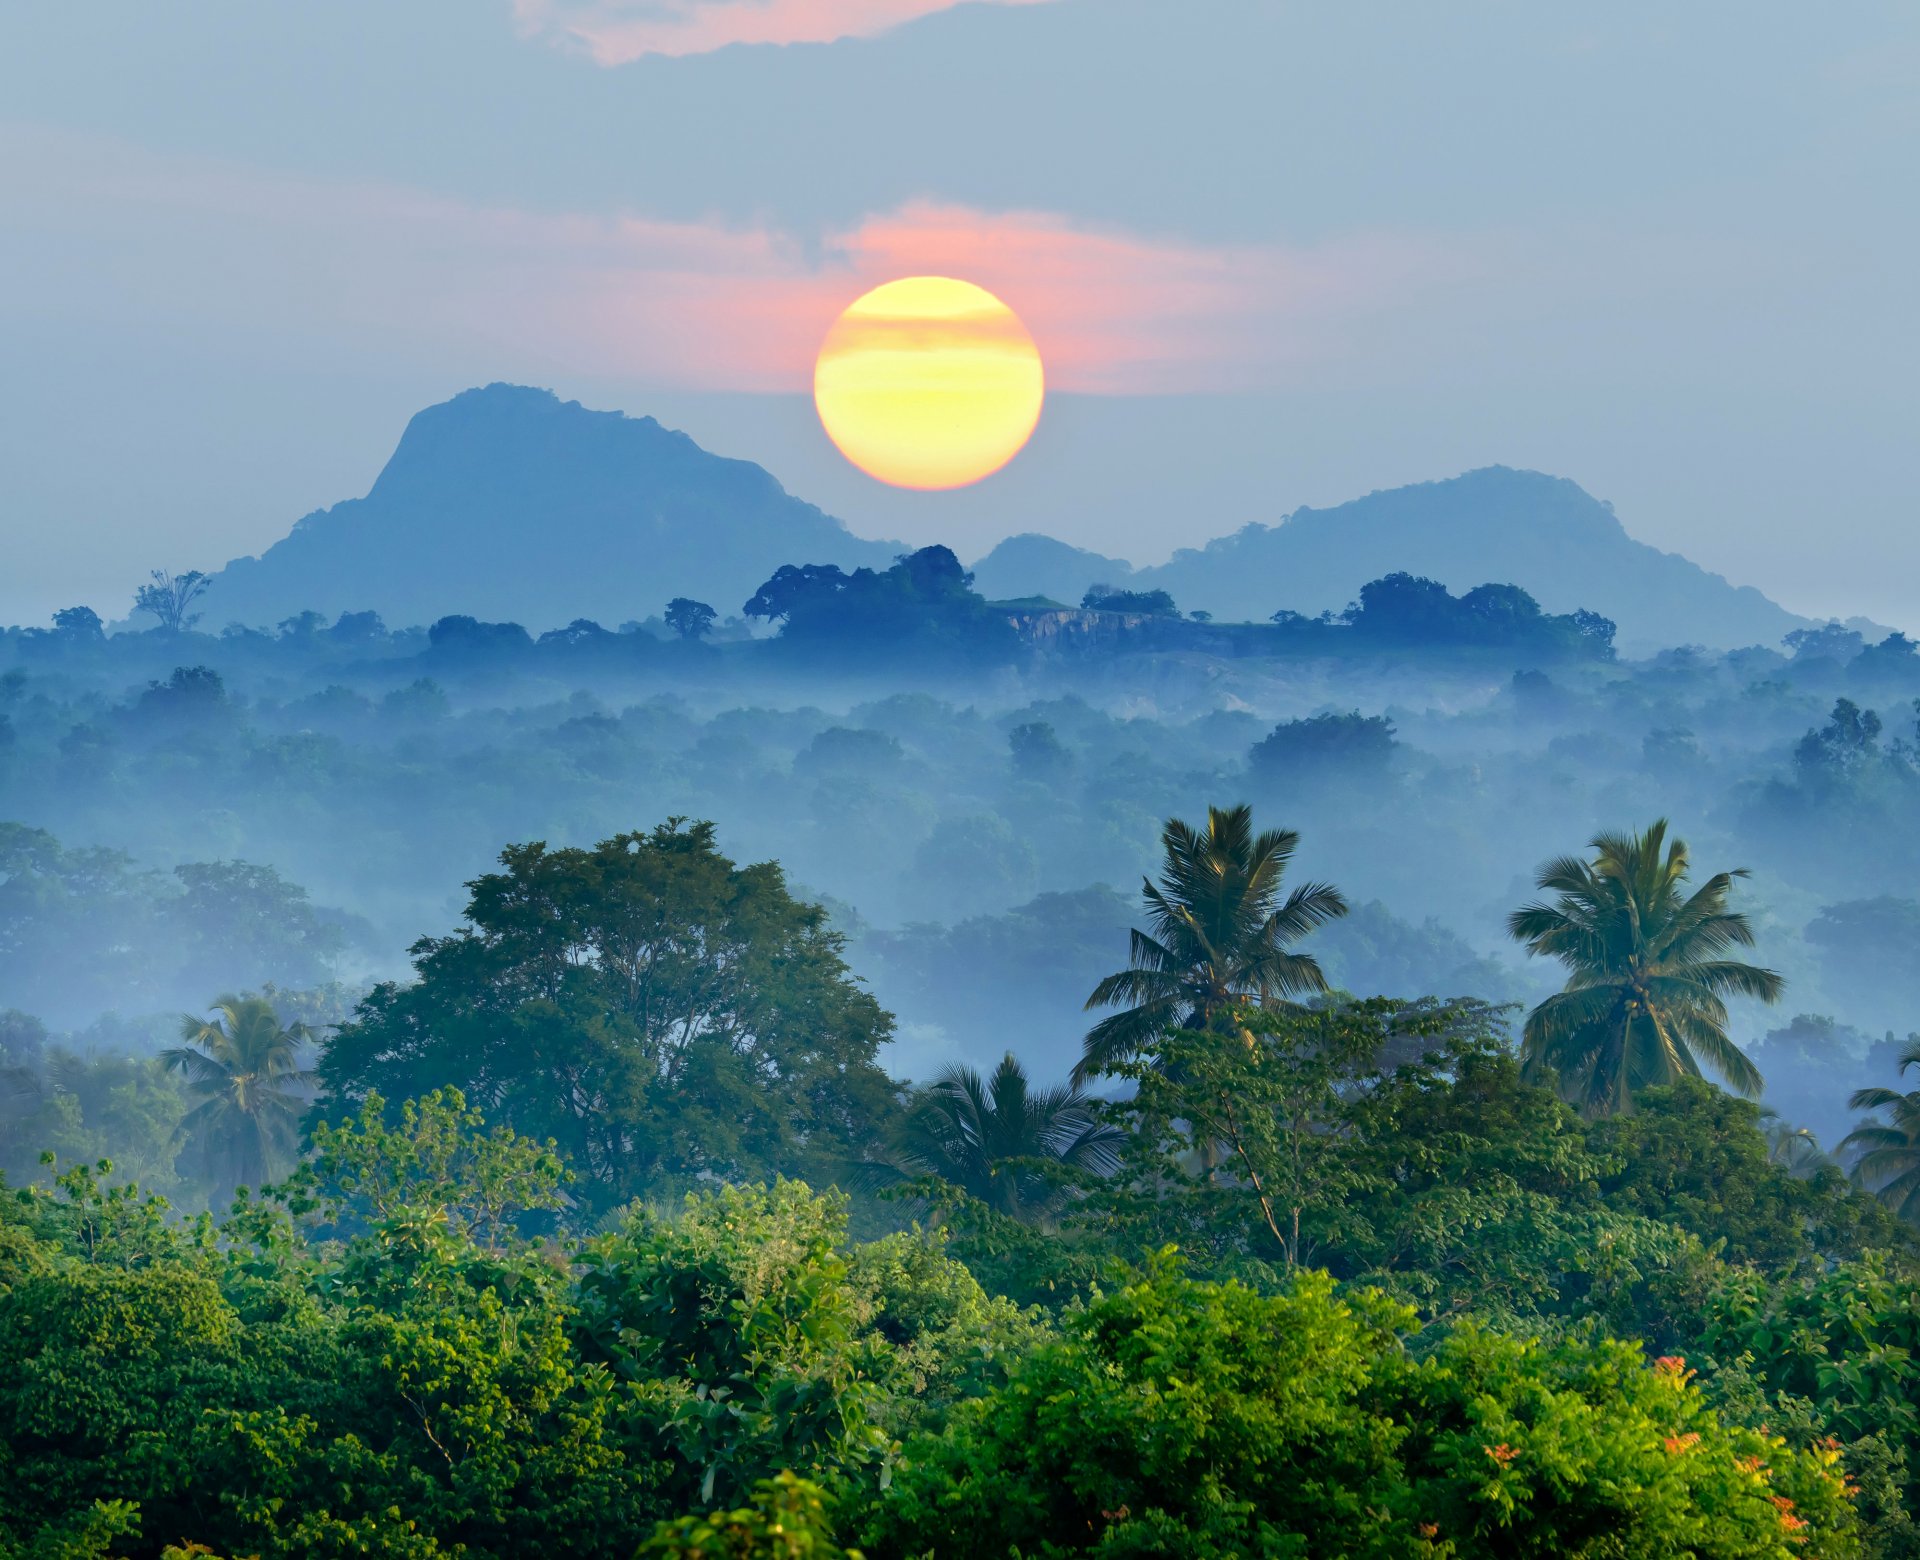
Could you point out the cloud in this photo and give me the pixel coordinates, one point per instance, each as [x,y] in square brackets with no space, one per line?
[97,229]
[614,32]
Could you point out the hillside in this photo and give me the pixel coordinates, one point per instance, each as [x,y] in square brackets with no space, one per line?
[508,503]
[1035,565]
[1545,534]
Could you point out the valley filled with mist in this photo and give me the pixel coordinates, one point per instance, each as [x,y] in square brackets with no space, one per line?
[341,953]
[967,784]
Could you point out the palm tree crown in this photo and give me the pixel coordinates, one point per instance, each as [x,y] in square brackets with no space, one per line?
[243,1065]
[1889,1162]
[995,1137]
[1220,935]
[1647,973]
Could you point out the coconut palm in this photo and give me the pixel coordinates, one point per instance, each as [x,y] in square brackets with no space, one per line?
[1889,1162]
[1647,973]
[996,1138]
[243,1065]
[1793,1149]
[1220,935]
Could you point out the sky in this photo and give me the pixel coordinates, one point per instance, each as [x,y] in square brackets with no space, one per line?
[1272,254]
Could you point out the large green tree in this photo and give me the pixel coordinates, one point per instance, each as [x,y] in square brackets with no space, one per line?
[242,1067]
[1219,934]
[656,1009]
[1648,970]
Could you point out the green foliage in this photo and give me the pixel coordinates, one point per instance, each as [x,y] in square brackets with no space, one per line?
[1647,970]
[243,1069]
[657,1011]
[738,1332]
[1013,1147]
[1397,1145]
[1220,934]
[1698,1158]
[440,1160]
[786,1520]
[947,1338]
[1888,1151]
[87,1108]
[1186,1418]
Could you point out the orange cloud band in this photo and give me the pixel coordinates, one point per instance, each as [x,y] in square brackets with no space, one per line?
[325,267]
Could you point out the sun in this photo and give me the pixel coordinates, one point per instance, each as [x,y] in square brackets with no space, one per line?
[929,383]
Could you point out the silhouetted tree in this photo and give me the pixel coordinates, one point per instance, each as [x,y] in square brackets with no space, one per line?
[1108,598]
[169,596]
[688,618]
[81,625]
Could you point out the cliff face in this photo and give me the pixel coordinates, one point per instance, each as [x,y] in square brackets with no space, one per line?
[509,504]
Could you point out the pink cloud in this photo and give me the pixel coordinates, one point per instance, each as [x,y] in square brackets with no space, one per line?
[614,32]
[375,272]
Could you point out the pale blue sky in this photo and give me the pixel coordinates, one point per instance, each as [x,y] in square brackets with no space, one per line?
[1277,254]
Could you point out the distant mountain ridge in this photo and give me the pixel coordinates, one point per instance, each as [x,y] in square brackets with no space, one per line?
[1490,526]
[507,503]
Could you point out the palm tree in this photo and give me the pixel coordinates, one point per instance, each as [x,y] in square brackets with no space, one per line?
[1793,1149]
[1220,935]
[1889,1162]
[996,1138]
[244,1067]
[1647,973]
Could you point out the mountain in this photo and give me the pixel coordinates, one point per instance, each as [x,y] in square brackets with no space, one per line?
[1033,565]
[509,503]
[1496,525]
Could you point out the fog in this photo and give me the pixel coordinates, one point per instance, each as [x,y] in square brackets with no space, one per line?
[191,813]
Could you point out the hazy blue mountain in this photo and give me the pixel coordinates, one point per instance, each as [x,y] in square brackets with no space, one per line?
[509,503]
[1033,565]
[1545,534]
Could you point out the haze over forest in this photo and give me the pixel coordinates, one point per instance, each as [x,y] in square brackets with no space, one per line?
[881,779]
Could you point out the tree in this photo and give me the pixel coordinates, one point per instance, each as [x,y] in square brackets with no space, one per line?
[1326,746]
[249,922]
[169,596]
[925,605]
[243,1065]
[1889,1151]
[688,618]
[1847,744]
[1037,751]
[1000,1140]
[1694,1156]
[1220,935]
[1148,603]
[1184,1419]
[1646,973]
[81,625]
[1262,1113]
[660,1011]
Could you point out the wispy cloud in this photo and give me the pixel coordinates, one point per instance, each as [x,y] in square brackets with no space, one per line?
[614,32]
[381,270]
